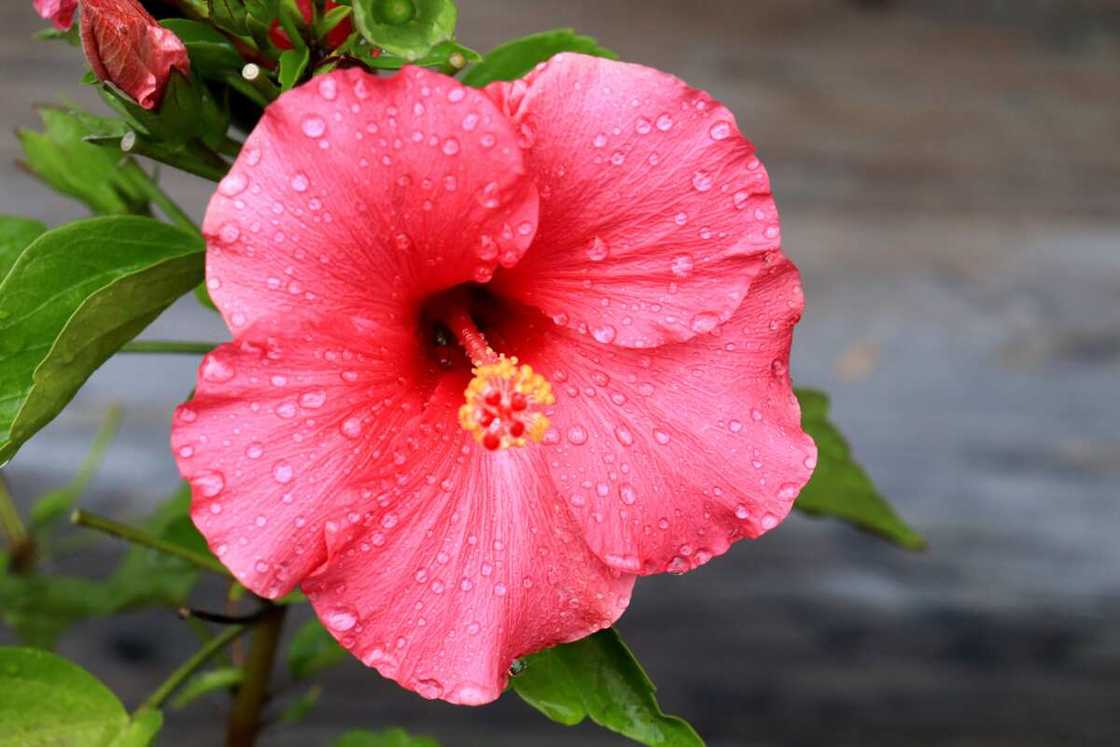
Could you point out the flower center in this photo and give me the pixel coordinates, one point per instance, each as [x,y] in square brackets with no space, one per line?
[505,400]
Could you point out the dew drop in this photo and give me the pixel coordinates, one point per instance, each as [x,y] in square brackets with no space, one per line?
[282,472]
[313,126]
[682,265]
[299,182]
[233,184]
[702,181]
[450,146]
[577,435]
[604,334]
[597,250]
[209,483]
[341,619]
[720,130]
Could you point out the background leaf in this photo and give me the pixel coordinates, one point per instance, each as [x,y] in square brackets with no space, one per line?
[516,58]
[49,701]
[96,175]
[387,738]
[600,678]
[146,723]
[202,683]
[74,296]
[840,487]
[149,577]
[432,22]
[292,64]
[312,650]
[40,608]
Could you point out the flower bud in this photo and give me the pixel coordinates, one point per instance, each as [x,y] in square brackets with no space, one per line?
[279,37]
[125,46]
[58,12]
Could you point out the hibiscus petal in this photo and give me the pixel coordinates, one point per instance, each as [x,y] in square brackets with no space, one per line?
[463,562]
[276,429]
[655,212]
[359,194]
[665,458]
[58,12]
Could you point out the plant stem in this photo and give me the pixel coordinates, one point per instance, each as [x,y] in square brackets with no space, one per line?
[154,193]
[209,650]
[168,346]
[230,147]
[140,537]
[245,719]
[20,543]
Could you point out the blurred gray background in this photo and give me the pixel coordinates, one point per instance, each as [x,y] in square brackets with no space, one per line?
[949,178]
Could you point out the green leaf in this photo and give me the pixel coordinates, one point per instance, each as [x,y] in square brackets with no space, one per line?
[49,701]
[146,723]
[55,504]
[387,738]
[406,28]
[39,609]
[448,57]
[312,650]
[600,678]
[71,35]
[230,15]
[293,63]
[72,299]
[840,487]
[299,708]
[15,235]
[96,175]
[202,683]
[212,54]
[516,58]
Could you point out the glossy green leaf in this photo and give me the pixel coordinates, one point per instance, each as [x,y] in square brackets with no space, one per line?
[598,677]
[312,650]
[406,28]
[212,54]
[206,682]
[387,738]
[57,503]
[839,486]
[72,299]
[516,58]
[293,63]
[15,235]
[49,701]
[96,175]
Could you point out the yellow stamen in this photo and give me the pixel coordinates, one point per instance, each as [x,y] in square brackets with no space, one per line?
[504,404]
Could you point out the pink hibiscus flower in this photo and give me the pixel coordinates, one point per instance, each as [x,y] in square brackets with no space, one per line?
[125,46]
[58,12]
[496,355]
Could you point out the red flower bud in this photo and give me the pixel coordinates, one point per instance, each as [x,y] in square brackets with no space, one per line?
[279,37]
[58,12]
[125,46]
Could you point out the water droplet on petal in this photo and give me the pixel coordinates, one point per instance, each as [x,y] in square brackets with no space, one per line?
[702,181]
[450,146]
[209,483]
[720,130]
[682,265]
[299,182]
[313,126]
[341,619]
[604,334]
[282,472]
[597,250]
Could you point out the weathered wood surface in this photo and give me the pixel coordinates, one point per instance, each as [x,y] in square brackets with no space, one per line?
[949,178]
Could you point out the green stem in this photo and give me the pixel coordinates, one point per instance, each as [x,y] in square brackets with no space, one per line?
[21,545]
[153,192]
[140,537]
[10,521]
[245,719]
[168,346]
[248,90]
[208,651]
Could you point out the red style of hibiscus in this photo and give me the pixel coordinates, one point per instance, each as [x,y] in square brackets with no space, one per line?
[125,46]
[496,355]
